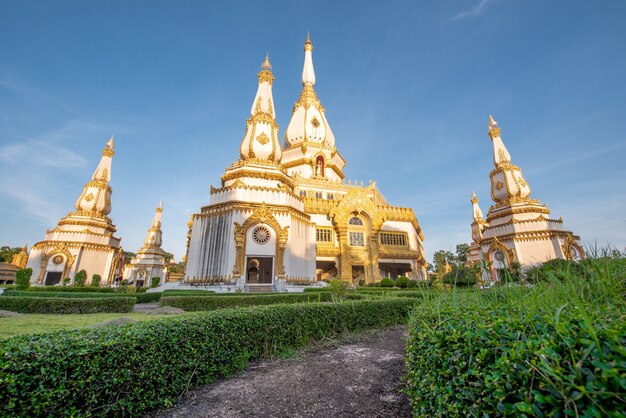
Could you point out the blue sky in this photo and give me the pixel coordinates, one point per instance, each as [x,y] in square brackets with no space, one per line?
[407,86]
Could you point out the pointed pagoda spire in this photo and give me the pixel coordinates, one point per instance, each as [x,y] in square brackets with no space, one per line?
[261,138]
[154,237]
[95,199]
[25,249]
[478,214]
[308,120]
[507,183]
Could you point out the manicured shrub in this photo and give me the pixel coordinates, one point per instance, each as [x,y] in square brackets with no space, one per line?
[202,303]
[22,278]
[411,284]
[501,361]
[66,281]
[556,269]
[154,281]
[132,369]
[95,280]
[460,276]
[176,292]
[386,282]
[76,289]
[80,278]
[317,289]
[402,282]
[66,305]
[148,297]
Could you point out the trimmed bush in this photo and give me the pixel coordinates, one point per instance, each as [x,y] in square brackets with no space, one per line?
[95,280]
[154,281]
[411,284]
[66,281]
[66,305]
[22,278]
[80,278]
[402,282]
[131,369]
[71,289]
[317,289]
[148,297]
[386,282]
[202,303]
[499,361]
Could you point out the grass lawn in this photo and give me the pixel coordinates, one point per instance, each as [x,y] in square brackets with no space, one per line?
[41,323]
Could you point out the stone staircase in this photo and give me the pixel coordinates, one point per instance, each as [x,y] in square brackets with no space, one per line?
[260,288]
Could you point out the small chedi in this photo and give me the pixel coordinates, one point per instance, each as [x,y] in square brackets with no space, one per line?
[286,216]
[150,259]
[517,228]
[84,239]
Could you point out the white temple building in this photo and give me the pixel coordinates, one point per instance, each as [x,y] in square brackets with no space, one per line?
[150,259]
[517,228]
[285,216]
[84,239]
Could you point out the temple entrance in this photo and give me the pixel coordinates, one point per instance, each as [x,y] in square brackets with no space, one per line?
[53,277]
[259,270]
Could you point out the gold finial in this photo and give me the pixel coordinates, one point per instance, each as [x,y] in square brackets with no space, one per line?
[308,46]
[493,128]
[109,148]
[266,64]
[25,249]
[474,198]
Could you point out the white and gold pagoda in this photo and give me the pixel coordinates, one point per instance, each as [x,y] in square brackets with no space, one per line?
[286,217]
[150,259]
[84,239]
[517,228]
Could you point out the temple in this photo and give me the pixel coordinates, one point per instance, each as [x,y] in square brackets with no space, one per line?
[84,239]
[286,217]
[150,259]
[517,228]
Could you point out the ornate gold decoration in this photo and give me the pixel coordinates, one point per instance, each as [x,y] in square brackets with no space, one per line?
[494,132]
[499,185]
[262,215]
[266,76]
[496,245]
[315,122]
[266,175]
[262,138]
[356,201]
[57,259]
[502,155]
[108,152]
[570,242]
[89,197]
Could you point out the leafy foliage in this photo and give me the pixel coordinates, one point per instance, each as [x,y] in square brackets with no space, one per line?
[154,281]
[66,289]
[80,278]
[460,276]
[402,282]
[412,283]
[95,280]
[203,303]
[7,253]
[141,297]
[22,278]
[66,305]
[386,282]
[131,369]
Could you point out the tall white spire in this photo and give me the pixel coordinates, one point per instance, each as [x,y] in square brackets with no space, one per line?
[308,120]
[308,72]
[500,153]
[261,138]
[96,196]
[478,214]
[154,238]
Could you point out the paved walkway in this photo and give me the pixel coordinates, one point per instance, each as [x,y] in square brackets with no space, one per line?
[145,307]
[358,378]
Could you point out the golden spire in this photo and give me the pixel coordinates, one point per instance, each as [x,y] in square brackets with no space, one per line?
[25,249]
[266,75]
[266,64]
[493,128]
[109,148]
[308,46]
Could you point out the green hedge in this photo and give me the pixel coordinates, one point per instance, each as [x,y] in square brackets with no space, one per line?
[317,289]
[129,370]
[499,361]
[66,305]
[71,289]
[201,303]
[141,297]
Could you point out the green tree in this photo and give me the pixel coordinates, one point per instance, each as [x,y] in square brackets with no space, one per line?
[440,257]
[7,253]
[80,278]
[168,257]
[128,256]
[22,278]
[461,276]
[154,281]
[462,251]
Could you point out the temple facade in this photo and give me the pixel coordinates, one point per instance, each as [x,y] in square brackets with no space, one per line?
[517,228]
[150,259]
[285,216]
[84,239]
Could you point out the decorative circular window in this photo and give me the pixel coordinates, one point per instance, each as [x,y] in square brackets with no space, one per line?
[58,259]
[261,235]
[499,256]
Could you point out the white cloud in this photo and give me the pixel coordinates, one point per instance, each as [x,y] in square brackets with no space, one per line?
[474,11]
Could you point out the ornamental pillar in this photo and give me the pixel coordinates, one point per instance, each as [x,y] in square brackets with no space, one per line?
[375,270]
[344,254]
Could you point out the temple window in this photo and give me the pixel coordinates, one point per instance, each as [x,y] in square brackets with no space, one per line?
[395,239]
[324,234]
[330,196]
[302,193]
[357,239]
[319,195]
[355,221]
[319,166]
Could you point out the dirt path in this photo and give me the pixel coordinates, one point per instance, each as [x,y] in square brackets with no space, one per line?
[355,378]
[146,307]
